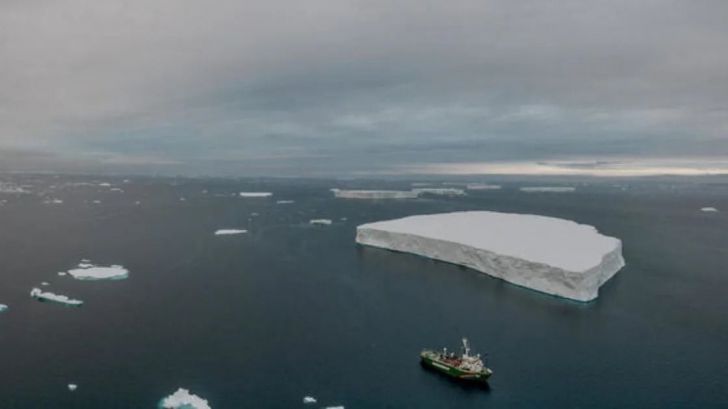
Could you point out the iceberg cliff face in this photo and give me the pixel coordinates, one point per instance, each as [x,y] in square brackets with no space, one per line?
[554,256]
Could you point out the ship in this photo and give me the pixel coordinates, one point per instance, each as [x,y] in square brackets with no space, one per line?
[464,367]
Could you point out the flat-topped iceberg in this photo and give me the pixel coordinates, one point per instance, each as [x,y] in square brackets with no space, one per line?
[374,194]
[229,232]
[40,295]
[442,191]
[255,194]
[551,255]
[87,271]
[551,189]
[183,399]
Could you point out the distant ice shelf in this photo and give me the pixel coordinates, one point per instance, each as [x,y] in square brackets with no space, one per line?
[87,271]
[551,189]
[554,256]
[255,194]
[40,295]
[374,194]
[229,232]
[183,399]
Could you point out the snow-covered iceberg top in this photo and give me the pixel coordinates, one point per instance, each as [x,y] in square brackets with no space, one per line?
[324,222]
[183,399]
[40,295]
[374,194]
[551,255]
[552,189]
[229,232]
[87,271]
[443,191]
[708,209]
[255,194]
[482,186]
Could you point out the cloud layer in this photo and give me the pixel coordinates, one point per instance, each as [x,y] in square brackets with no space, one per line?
[332,86]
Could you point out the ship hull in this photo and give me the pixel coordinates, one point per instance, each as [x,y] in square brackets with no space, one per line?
[454,372]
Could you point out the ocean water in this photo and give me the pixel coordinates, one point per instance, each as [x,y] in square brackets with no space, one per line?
[262,319]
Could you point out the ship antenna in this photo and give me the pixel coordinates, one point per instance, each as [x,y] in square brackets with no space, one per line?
[466,348]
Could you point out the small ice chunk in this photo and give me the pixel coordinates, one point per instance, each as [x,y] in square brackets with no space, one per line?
[182,199]
[325,222]
[88,271]
[335,407]
[285,201]
[105,184]
[254,214]
[482,186]
[116,189]
[137,203]
[183,399]
[309,400]
[72,387]
[708,209]
[96,202]
[53,201]
[62,273]
[255,194]
[3,307]
[229,232]
[551,189]
[45,283]
[48,296]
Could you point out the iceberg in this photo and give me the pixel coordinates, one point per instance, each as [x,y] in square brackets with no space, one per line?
[546,254]
[48,296]
[53,201]
[183,399]
[309,400]
[72,387]
[87,271]
[552,189]
[229,232]
[255,194]
[285,201]
[374,194]
[442,191]
[3,307]
[481,186]
[708,209]
[323,222]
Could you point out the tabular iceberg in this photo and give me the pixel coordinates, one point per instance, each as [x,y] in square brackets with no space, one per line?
[88,271]
[57,298]
[554,256]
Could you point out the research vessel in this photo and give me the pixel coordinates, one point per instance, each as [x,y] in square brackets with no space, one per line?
[465,367]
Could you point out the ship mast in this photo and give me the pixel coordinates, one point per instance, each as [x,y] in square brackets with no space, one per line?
[466,348]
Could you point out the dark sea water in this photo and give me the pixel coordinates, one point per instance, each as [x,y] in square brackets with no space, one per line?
[290,309]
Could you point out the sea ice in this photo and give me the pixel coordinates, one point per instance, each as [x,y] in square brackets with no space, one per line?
[88,271]
[255,194]
[551,255]
[229,232]
[552,189]
[442,191]
[309,400]
[708,209]
[183,399]
[48,296]
[374,194]
[325,222]
[482,186]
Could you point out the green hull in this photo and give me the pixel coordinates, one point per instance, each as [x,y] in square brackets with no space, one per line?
[454,372]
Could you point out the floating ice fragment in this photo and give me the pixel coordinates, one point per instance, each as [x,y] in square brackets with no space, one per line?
[228,232]
[320,221]
[551,189]
[255,194]
[335,407]
[45,283]
[53,201]
[3,307]
[88,271]
[285,201]
[447,191]
[254,214]
[62,273]
[309,400]
[183,399]
[96,202]
[48,296]
[481,186]
[708,209]
[116,189]
[105,184]
[374,194]
[72,387]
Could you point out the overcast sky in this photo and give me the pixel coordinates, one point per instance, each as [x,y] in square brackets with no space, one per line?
[325,87]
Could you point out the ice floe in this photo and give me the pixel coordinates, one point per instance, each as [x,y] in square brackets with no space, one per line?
[324,222]
[442,191]
[39,295]
[309,400]
[551,255]
[183,399]
[88,271]
[708,209]
[285,201]
[72,387]
[255,194]
[551,189]
[482,186]
[12,188]
[374,194]
[229,232]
